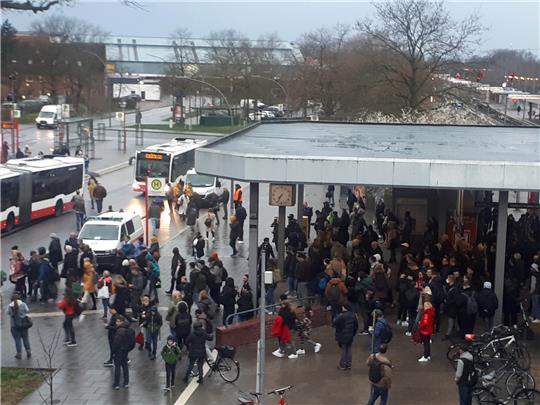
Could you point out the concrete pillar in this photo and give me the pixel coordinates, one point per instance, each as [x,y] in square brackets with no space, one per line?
[500,255]
[281,238]
[300,204]
[253,237]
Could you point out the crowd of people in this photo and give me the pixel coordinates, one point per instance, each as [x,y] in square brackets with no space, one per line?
[358,270]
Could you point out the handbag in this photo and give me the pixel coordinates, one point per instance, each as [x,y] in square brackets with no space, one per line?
[23,323]
[158,283]
[139,339]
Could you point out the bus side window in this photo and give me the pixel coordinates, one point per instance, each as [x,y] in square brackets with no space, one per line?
[178,167]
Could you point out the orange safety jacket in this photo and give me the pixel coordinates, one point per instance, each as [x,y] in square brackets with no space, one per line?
[238,195]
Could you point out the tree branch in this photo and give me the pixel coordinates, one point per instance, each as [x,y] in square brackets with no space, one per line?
[28,5]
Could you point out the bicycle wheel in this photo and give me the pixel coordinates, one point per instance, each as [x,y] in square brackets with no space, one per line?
[520,353]
[483,395]
[228,369]
[519,380]
[527,396]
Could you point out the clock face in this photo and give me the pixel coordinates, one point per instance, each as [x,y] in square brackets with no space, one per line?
[282,194]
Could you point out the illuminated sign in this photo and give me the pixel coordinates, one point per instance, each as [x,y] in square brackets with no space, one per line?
[153,156]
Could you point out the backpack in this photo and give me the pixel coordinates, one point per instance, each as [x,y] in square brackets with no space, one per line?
[470,375]
[472,305]
[380,281]
[208,222]
[334,294]
[322,283]
[386,333]
[375,370]
[211,310]
[217,273]
[131,339]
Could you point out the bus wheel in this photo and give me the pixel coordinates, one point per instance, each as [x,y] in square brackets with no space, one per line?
[59,207]
[10,222]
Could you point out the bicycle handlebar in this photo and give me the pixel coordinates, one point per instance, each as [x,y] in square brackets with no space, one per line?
[280,391]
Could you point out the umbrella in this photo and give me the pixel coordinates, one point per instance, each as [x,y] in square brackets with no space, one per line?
[93,174]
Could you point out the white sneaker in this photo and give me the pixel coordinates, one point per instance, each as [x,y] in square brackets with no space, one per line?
[300,351]
[293,356]
[317,347]
[408,334]
[241,241]
[278,353]
[424,359]
[405,323]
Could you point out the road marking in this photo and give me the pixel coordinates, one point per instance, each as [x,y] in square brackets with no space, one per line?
[193,384]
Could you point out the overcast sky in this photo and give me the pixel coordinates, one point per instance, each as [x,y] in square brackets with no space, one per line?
[511,24]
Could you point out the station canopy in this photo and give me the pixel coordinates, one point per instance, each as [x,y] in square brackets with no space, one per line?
[398,155]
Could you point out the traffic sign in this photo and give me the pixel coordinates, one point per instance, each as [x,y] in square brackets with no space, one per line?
[119,116]
[156,186]
[16,113]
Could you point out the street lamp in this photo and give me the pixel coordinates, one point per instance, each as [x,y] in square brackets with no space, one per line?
[275,81]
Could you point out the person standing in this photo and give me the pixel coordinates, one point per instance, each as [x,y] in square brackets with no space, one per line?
[196,344]
[346,325]
[104,286]
[123,343]
[152,323]
[171,355]
[227,298]
[241,215]
[178,268]
[451,305]
[89,277]
[172,311]
[154,274]
[111,330]
[427,321]
[91,186]
[79,208]
[99,194]
[154,215]
[5,152]
[224,199]
[487,305]
[68,306]
[466,377]
[234,234]
[380,375]
[238,197]
[17,311]
[303,327]
[55,251]
[182,323]
[308,212]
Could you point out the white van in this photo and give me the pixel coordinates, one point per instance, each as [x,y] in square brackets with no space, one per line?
[201,183]
[105,233]
[48,116]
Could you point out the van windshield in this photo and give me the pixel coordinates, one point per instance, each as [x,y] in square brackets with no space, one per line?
[200,180]
[99,232]
[46,114]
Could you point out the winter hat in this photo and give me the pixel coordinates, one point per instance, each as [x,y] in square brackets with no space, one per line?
[170,338]
[53,235]
[427,291]
[42,251]
[377,257]
[534,267]
[125,262]
[487,284]
[68,248]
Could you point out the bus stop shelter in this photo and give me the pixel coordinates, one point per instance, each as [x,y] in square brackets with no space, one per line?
[395,155]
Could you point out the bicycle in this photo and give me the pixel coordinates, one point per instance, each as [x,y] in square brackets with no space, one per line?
[256,396]
[224,364]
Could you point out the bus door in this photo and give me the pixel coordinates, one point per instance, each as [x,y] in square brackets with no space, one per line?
[25,198]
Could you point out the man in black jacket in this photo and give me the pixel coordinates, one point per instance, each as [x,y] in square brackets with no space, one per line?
[178,264]
[450,304]
[196,344]
[346,325]
[123,342]
[487,305]
[224,199]
[241,215]
[437,290]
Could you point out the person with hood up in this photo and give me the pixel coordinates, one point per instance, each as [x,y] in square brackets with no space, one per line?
[171,355]
[196,344]
[152,323]
[227,298]
[346,326]
[336,294]
[487,305]
[89,287]
[182,323]
[55,251]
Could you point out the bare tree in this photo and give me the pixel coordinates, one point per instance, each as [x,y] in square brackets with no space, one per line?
[37,6]
[423,41]
[68,29]
[48,370]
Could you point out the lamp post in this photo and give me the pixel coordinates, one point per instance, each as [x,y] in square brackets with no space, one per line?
[275,81]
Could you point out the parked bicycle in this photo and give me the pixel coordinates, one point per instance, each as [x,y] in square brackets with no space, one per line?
[255,397]
[224,364]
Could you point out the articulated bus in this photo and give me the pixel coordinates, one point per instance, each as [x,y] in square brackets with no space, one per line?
[33,188]
[168,160]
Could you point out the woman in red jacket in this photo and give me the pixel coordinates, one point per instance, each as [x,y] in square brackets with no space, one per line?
[426,330]
[68,305]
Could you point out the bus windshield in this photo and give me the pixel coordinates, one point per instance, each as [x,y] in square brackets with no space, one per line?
[200,180]
[151,165]
[99,232]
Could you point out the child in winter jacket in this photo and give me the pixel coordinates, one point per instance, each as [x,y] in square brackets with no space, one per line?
[171,354]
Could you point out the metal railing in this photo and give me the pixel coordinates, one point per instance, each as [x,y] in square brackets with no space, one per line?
[266,307]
